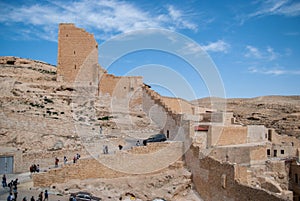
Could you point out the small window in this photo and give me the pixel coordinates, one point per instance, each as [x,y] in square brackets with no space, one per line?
[296,178]
[67,35]
[75,66]
[275,153]
[74,52]
[268,152]
[282,151]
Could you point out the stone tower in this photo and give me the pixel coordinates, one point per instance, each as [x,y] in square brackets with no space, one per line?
[77,56]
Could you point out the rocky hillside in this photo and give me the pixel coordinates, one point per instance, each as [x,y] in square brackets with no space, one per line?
[39,113]
[279,112]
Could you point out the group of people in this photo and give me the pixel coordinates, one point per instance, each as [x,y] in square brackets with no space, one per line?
[65,159]
[34,168]
[13,188]
[41,197]
[13,191]
[76,157]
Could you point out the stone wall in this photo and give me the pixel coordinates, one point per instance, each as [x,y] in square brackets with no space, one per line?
[140,160]
[162,115]
[285,146]
[77,56]
[83,169]
[295,179]
[125,92]
[222,181]
[226,135]
[244,155]
[179,105]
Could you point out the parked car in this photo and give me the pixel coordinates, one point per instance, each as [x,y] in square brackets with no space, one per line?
[155,138]
[83,196]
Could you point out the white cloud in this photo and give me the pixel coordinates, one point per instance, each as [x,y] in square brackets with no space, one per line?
[252,52]
[277,7]
[265,54]
[275,71]
[218,46]
[196,49]
[105,17]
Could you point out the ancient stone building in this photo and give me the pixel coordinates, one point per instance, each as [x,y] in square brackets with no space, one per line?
[77,56]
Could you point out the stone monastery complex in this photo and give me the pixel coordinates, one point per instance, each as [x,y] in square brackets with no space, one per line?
[58,111]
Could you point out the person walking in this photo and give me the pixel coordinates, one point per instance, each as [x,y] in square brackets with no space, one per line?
[40,196]
[46,195]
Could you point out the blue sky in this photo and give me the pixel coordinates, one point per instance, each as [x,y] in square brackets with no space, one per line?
[255,45]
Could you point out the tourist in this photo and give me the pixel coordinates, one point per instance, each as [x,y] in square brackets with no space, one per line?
[32,199]
[24,199]
[4,184]
[138,143]
[100,129]
[78,156]
[15,183]
[41,196]
[10,197]
[10,185]
[106,149]
[46,195]
[34,167]
[65,160]
[37,169]
[103,149]
[74,159]
[120,147]
[15,192]
[56,161]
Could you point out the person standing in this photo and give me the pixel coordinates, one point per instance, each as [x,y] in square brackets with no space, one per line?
[4,183]
[32,199]
[56,161]
[100,129]
[65,160]
[15,193]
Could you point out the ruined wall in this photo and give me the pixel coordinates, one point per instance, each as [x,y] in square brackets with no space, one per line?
[77,56]
[220,181]
[295,179]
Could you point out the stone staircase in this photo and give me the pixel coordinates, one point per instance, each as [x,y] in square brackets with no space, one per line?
[158,100]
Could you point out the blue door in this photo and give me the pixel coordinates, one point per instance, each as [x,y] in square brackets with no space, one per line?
[6,164]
